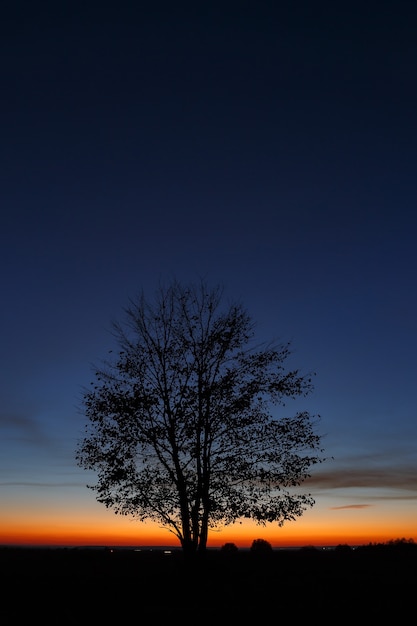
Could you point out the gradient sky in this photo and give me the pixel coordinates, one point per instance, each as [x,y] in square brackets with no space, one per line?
[270,147]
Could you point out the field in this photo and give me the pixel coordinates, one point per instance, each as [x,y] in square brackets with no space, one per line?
[66,586]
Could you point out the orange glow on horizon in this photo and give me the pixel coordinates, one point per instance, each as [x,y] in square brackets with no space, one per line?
[123,532]
[113,539]
[58,521]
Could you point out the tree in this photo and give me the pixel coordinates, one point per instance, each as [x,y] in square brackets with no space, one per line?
[261,546]
[180,429]
[229,548]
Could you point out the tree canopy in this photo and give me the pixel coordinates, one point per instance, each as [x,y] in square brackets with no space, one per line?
[182,425]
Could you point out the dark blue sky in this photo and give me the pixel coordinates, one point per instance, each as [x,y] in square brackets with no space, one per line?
[270,147]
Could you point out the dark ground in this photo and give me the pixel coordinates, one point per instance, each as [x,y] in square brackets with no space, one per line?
[67,586]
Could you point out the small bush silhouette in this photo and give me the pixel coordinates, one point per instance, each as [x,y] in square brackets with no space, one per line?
[343,548]
[229,548]
[261,546]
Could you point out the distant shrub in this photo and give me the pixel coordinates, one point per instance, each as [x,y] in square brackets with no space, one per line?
[261,546]
[343,548]
[392,547]
[400,542]
[230,548]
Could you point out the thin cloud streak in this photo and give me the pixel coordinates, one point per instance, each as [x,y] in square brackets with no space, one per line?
[43,485]
[24,429]
[350,506]
[389,477]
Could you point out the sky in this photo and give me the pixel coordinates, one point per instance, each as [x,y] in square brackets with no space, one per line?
[268,147]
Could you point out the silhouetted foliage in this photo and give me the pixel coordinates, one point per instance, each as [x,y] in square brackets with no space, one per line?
[393,546]
[229,548]
[402,543]
[343,548]
[261,546]
[180,429]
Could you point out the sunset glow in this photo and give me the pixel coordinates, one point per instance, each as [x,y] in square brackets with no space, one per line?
[319,527]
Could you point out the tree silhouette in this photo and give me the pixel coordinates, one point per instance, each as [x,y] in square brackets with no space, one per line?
[261,546]
[180,429]
[229,548]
